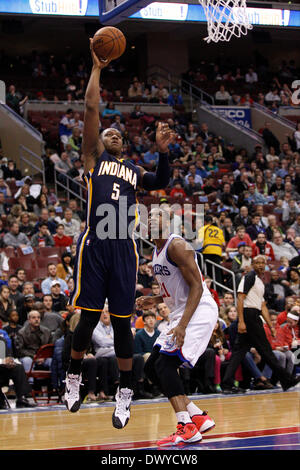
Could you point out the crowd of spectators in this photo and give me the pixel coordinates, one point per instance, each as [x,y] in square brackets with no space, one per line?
[231,84]
[253,198]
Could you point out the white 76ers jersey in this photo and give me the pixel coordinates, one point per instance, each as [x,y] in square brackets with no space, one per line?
[173,287]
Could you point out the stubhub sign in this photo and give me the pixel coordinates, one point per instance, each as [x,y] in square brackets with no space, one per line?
[241,115]
[59,7]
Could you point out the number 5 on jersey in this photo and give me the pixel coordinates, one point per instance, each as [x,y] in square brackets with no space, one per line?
[116,192]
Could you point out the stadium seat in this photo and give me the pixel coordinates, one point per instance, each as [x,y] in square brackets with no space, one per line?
[21,262]
[45,251]
[44,376]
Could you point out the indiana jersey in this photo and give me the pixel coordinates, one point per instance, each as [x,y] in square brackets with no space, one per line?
[111,199]
[173,287]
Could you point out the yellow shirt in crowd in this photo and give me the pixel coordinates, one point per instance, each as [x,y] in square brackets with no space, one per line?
[213,239]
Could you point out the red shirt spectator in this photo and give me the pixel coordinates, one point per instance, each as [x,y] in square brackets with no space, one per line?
[241,236]
[60,239]
[177,191]
[266,251]
[290,333]
[278,340]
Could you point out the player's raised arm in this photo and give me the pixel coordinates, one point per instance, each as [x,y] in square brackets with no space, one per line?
[184,257]
[92,146]
[160,179]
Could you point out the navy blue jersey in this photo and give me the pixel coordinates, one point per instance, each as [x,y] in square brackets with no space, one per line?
[111,201]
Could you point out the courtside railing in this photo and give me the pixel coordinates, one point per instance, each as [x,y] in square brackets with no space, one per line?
[215,282]
[34,161]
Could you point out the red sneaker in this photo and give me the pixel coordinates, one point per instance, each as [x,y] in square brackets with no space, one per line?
[203,422]
[185,434]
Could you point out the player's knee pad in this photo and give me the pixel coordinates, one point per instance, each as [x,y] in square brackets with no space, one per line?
[123,338]
[166,369]
[83,332]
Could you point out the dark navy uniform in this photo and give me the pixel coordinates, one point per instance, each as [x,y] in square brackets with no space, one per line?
[107,257]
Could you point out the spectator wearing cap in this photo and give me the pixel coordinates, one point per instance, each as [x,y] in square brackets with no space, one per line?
[145,338]
[174,99]
[43,237]
[14,238]
[241,236]
[59,299]
[52,276]
[241,263]
[26,307]
[60,239]
[30,338]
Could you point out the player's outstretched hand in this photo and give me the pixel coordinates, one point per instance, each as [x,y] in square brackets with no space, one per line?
[145,302]
[164,136]
[97,62]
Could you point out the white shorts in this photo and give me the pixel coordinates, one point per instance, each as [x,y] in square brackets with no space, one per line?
[197,333]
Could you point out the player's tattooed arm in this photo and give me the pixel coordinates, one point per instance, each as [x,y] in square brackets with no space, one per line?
[184,257]
[92,145]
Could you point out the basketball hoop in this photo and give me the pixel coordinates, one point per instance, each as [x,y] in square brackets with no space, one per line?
[225,18]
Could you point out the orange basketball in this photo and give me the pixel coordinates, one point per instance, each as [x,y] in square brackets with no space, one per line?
[109,43]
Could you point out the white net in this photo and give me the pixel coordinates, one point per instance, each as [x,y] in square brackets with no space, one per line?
[225,18]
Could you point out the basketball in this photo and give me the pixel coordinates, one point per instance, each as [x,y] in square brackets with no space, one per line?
[109,43]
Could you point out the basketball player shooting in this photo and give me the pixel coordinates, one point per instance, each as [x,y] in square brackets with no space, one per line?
[193,316]
[106,264]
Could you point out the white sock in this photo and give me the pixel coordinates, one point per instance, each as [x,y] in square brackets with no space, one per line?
[183,417]
[193,409]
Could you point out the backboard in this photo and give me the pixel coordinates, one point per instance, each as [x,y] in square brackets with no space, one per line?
[114,11]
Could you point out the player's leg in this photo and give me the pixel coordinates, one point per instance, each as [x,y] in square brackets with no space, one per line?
[80,343]
[187,432]
[89,295]
[123,343]
[123,262]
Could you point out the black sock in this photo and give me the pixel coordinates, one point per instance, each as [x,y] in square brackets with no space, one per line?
[75,366]
[126,379]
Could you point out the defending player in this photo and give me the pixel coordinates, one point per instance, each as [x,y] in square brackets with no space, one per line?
[193,316]
[107,261]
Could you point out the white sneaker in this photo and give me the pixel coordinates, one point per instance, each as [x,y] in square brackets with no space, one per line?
[121,413]
[72,392]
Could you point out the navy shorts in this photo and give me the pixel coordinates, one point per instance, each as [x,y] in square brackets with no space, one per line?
[105,269]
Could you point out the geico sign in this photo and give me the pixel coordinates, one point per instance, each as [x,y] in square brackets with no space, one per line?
[233,113]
